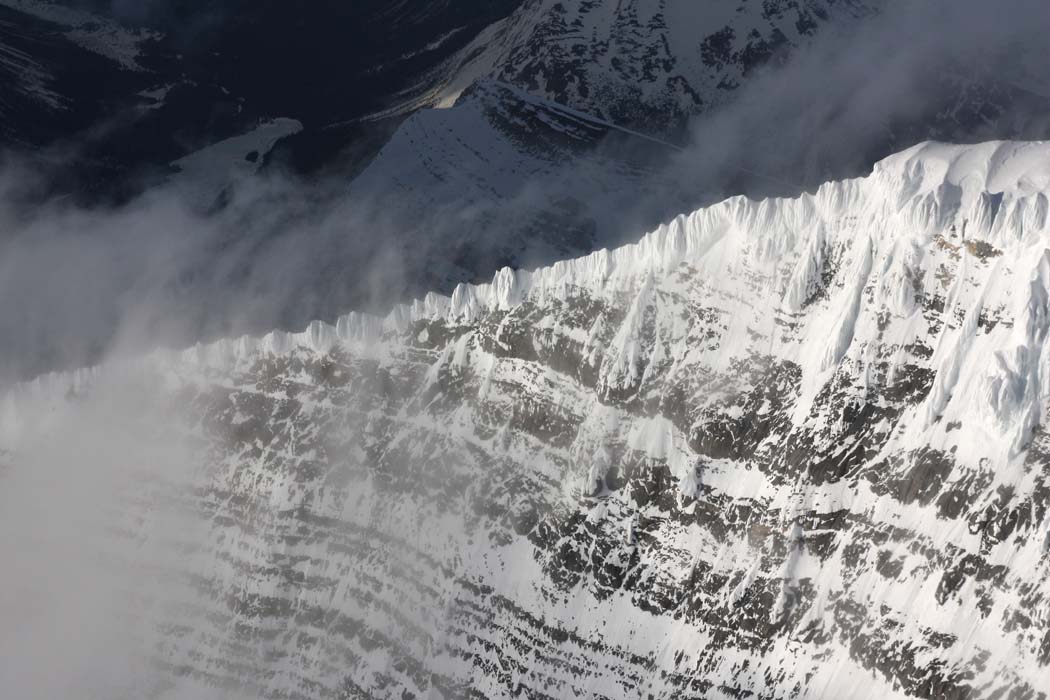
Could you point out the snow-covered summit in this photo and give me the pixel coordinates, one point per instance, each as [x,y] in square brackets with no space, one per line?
[998,167]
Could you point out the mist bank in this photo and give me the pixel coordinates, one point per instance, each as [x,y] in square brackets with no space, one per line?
[209,255]
[277,251]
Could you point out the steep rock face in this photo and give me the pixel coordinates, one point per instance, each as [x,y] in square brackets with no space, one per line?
[788,448]
[648,63]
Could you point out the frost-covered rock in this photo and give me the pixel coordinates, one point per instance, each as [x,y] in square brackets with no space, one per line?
[794,448]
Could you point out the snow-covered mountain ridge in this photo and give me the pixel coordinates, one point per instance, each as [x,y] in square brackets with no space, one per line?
[931,186]
[789,448]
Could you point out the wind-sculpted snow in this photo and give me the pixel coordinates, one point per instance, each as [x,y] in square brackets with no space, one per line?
[777,449]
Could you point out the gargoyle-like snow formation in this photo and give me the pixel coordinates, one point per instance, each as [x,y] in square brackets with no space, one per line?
[787,448]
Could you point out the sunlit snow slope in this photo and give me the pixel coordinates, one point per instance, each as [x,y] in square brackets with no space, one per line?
[789,448]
